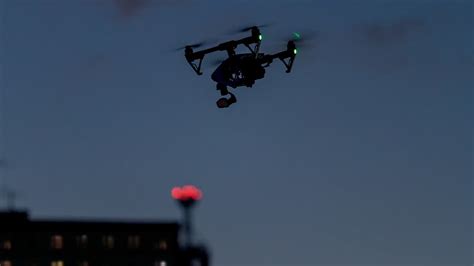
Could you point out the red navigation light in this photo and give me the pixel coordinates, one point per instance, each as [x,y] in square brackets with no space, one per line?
[176,193]
[186,193]
[198,195]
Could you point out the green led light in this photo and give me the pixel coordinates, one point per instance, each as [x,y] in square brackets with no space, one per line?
[295,51]
[260,37]
[297,35]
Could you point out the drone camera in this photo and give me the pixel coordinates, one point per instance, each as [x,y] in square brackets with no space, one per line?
[224,102]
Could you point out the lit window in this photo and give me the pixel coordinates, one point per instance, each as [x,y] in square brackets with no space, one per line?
[160,263]
[57,242]
[81,241]
[57,263]
[134,241]
[108,241]
[163,245]
[6,263]
[6,245]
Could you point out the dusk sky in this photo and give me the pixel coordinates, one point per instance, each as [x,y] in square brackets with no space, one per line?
[361,156]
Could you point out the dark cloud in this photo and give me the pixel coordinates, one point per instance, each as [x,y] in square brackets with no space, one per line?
[381,34]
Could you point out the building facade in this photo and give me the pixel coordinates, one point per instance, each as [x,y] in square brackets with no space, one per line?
[26,242]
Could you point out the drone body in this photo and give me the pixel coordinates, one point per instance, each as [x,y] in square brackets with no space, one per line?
[240,70]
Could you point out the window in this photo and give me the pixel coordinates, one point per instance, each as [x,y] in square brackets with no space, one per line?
[56,242]
[134,242]
[81,241]
[57,263]
[6,245]
[108,241]
[6,263]
[162,245]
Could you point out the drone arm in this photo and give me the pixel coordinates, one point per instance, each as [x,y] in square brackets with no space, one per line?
[226,46]
[229,46]
[199,55]
[268,59]
[254,50]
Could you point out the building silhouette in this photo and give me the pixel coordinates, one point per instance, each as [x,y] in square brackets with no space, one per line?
[27,242]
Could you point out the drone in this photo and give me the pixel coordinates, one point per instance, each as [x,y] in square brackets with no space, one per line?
[239,70]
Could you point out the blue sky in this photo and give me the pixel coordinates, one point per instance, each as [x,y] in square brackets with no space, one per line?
[361,156]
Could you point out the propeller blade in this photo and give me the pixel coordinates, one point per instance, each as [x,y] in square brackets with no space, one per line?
[195,45]
[249,27]
[304,40]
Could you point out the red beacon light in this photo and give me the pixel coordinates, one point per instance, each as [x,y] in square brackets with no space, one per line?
[186,194]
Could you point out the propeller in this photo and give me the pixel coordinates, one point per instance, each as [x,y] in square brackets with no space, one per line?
[248,28]
[181,47]
[195,45]
[302,40]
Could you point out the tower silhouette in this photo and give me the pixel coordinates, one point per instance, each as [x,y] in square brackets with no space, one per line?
[187,197]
